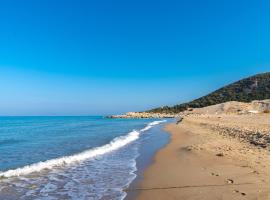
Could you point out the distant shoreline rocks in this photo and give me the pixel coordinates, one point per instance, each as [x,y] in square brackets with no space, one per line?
[140,115]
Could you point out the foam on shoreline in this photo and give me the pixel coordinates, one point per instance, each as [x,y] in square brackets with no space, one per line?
[115,144]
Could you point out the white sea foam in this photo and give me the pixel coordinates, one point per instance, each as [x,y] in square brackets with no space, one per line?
[115,144]
[150,125]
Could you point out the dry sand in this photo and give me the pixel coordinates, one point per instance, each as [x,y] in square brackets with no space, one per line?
[202,163]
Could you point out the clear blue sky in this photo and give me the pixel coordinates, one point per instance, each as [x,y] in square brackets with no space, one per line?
[62,57]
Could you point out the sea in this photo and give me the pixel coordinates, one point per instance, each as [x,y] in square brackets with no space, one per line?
[76,158]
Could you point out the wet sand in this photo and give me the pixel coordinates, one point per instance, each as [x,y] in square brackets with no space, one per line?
[199,163]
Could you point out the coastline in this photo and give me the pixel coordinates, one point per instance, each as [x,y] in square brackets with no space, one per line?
[148,149]
[198,163]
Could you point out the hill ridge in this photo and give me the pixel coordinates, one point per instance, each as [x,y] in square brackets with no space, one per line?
[256,87]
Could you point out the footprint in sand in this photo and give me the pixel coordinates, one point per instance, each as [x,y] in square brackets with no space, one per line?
[220,154]
[242,193]
[230,181]
[214,174]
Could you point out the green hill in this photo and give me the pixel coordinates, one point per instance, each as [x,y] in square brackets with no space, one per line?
[246,90]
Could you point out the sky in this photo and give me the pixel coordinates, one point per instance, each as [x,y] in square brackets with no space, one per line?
[98,57]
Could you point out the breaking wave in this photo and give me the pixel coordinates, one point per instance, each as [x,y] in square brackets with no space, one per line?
[115,144]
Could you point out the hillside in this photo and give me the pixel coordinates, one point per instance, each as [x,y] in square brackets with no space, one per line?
[256,87]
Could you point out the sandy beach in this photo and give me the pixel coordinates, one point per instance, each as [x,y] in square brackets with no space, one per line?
[203,161]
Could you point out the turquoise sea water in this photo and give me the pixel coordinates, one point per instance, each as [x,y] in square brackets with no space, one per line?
[70,157]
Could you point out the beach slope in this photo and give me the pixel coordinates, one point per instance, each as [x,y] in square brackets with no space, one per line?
[201,162]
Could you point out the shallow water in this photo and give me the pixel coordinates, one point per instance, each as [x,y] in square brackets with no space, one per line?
[70,157]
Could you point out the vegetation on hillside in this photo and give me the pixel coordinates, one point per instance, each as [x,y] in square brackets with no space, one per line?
[246,90]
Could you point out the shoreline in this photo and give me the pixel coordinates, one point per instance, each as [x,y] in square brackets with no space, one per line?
[198,163]
[158,141]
